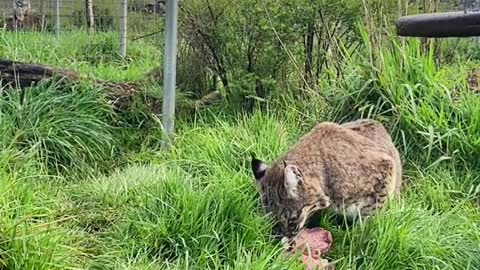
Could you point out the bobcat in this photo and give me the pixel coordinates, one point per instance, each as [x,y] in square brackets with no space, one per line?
[350,168]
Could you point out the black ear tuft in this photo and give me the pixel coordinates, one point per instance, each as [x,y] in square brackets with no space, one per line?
[258,167]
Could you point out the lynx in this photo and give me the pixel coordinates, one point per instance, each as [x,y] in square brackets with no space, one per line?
[351,168]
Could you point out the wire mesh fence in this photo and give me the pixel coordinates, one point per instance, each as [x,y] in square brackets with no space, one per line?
[144,19]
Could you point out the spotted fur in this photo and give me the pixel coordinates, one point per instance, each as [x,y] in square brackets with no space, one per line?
[352,168]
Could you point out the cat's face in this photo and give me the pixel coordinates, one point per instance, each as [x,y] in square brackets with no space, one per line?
[282,193]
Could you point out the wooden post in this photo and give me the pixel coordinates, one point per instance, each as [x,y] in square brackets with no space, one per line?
[90,18]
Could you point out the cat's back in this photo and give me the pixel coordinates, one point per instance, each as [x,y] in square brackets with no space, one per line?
[331,139]
[376,132]
[349,159]
[373,130]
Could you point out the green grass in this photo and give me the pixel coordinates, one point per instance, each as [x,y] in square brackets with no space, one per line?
[91,55]
[83,188]
[66,130]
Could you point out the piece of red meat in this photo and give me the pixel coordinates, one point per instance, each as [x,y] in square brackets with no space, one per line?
[313,243]
[316,241]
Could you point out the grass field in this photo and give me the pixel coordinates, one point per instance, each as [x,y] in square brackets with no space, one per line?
[82,187]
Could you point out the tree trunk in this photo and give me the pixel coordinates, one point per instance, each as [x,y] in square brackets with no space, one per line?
[90,18]
[309,53]
[42,4]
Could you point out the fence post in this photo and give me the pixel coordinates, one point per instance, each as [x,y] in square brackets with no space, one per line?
[170,64]
[57,17]
[90,18]
[123,28]
[15,21]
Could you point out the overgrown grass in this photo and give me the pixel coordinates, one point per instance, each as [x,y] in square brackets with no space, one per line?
[194,206]
[68,131]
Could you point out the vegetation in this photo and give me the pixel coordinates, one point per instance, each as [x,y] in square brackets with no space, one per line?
[85,187]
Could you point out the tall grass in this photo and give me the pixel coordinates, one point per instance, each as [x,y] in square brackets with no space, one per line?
[68,130]
[31,237]
[194,206]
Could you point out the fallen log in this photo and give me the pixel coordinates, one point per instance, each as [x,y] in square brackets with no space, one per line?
[121,96]
[20,75]
[211,98]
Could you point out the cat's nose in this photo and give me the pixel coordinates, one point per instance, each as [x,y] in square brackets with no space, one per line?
[292,223]
[276,231]
[292,226]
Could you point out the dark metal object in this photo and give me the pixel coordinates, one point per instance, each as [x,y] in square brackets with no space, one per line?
[440,25]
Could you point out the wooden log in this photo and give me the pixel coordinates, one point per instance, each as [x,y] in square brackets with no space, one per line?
[440,25]
[209,99]
[121,96]
[20,75]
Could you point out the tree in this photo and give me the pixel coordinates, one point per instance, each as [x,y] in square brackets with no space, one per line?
[90,17]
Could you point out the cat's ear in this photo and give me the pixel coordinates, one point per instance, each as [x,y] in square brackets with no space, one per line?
[293,179]
[258,167]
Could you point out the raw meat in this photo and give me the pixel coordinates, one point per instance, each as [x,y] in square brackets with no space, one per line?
[313,243]
[316,241]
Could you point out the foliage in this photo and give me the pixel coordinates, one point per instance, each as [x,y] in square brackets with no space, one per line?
[403,87]
[266,40]
[194,206]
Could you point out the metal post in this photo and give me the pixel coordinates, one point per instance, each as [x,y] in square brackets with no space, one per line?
[57,17]
[123,28]
[170,63]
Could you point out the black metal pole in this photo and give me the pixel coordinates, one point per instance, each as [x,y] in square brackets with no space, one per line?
[440,25]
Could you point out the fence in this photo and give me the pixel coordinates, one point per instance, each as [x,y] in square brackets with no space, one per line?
[130,20]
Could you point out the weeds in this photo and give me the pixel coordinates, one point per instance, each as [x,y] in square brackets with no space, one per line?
[195,206]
